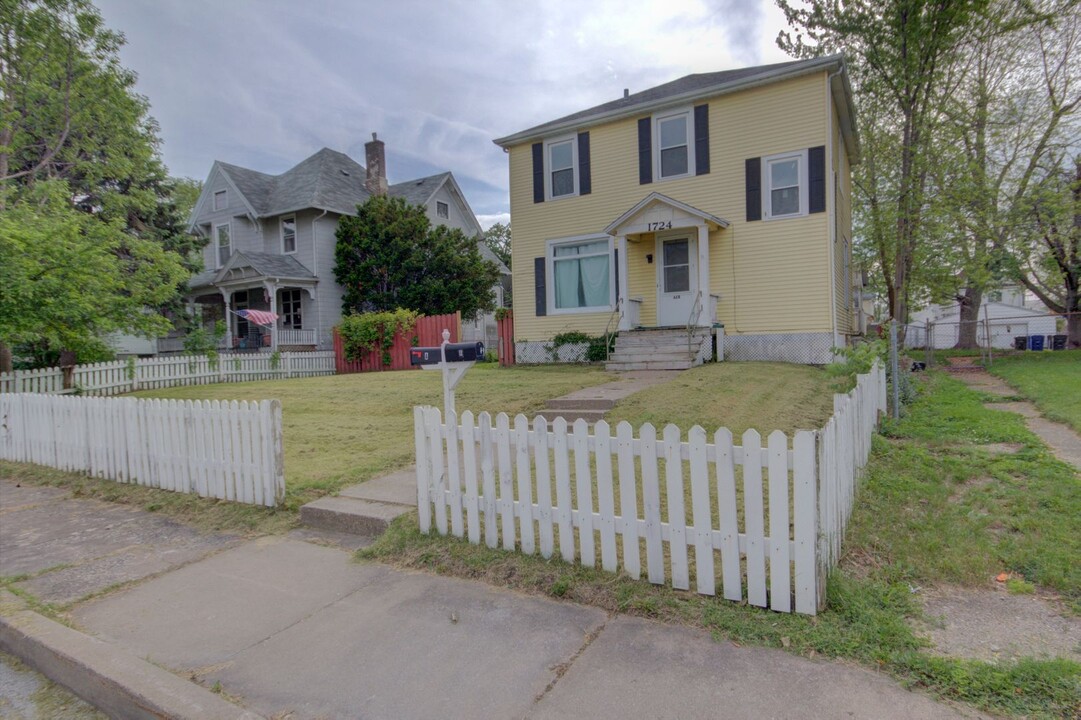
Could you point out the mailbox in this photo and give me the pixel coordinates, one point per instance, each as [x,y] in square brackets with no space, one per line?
[456,352]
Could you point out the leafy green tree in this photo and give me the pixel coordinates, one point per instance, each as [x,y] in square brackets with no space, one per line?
[497,238]
[79,154]
[900,52]
[389,256]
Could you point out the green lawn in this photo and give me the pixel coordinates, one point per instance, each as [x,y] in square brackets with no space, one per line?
[344,429]
[1050,379]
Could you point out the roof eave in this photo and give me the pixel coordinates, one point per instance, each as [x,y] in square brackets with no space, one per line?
[542,131]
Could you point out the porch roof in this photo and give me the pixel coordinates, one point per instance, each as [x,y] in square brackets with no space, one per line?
[247,267]
[629,221]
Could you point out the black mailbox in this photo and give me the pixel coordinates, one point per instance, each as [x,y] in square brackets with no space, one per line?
[456,352]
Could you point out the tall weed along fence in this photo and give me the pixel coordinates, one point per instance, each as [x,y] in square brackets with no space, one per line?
[120,376]
[225,450]
[762,520]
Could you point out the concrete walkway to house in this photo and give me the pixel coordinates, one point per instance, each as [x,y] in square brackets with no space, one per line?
[1064,442]
[286,628]
[367,508]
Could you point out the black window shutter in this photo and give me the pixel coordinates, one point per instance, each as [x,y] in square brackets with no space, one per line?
[585,180]
[701,140]
[753,172]
[538,172]
[540,288]
[816,176]
[645,151]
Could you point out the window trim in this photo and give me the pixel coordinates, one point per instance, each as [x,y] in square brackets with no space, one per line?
[767,185]
[217,244]
[573,140]
[440,205]
[223,193]
[550,282]
[281,234]
[688,116]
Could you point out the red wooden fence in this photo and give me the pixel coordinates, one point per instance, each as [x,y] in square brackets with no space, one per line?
[429,333]
[506,339]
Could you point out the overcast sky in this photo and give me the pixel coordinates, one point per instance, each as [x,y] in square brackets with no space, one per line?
[265,83]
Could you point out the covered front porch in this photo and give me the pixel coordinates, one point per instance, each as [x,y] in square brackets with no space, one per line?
[662,259]
[267,303]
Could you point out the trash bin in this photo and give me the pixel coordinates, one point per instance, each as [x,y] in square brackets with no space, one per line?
[1020,342]
[1035,342]
[1058,342]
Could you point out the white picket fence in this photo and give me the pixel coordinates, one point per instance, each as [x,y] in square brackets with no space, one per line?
[765,521]
[226,450]
[117,376]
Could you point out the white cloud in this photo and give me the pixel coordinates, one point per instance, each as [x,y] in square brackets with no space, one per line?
[488,220]
[266,83]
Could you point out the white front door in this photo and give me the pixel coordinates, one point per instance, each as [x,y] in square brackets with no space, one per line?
[677,278]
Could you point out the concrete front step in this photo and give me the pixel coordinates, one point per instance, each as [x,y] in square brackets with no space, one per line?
[649,355]
[648,365]
[350,515]
[571,414]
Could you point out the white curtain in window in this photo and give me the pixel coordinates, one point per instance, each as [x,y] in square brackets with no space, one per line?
[566,272]
[594,281]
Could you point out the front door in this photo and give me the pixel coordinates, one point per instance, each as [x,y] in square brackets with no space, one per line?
[677,279]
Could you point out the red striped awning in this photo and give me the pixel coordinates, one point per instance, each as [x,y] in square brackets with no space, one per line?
[259,317]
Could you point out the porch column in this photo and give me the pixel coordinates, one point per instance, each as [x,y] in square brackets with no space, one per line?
[272,290]
[227,295]
[704,319]
[621,269]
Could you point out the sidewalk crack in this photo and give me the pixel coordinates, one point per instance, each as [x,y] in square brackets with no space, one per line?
[561,669]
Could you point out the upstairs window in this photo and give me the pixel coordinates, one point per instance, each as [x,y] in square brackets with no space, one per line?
[220,200]
[785,185]
[442,209]
[225,248]
[289,235]
[562,159]
[674,156]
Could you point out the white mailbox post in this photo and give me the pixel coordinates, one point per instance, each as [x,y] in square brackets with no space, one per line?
[453,359]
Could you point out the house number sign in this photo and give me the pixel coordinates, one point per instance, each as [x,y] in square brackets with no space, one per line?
[653,226]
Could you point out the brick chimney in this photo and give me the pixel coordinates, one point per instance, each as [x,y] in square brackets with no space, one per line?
[375,158]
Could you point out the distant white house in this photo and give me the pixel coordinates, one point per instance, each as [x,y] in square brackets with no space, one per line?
[1005,313]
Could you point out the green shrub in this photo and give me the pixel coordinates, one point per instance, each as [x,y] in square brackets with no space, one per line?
[362,333]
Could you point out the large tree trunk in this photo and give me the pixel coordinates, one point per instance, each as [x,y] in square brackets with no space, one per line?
[1073,331]
[6,364]
[968,331]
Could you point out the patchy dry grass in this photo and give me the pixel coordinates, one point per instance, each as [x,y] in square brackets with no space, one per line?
[344,429]
[736,395]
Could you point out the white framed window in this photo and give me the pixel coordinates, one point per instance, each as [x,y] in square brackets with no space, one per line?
[291,310]
[561,167]
[784,185]
[220,200]
[442,209]
[580,272]
[289,235]
[673,155]
[223,243]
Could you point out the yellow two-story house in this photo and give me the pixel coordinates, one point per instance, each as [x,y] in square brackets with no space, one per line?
[715,204]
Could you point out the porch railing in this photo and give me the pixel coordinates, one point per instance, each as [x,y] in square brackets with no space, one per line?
[176,344]
[296,337]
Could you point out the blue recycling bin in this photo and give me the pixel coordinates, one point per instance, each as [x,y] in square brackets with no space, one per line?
[1035,342]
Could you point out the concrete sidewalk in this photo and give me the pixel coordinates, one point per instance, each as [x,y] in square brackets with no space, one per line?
[288,628]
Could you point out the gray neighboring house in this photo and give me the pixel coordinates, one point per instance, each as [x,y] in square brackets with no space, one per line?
[271,243]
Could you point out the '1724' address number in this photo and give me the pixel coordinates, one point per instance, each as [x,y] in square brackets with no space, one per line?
[659,226]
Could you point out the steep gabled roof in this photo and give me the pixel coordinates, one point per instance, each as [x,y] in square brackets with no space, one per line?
[682,90]
[419,191]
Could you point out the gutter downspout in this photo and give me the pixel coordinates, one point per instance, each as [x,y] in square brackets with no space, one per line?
[315,271]
[832,200]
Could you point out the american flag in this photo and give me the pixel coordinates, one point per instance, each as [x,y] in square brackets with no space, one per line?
[259,317]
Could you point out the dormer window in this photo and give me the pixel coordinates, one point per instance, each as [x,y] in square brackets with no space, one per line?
[220,200]
[561,167]
[289,235]
[442,209]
